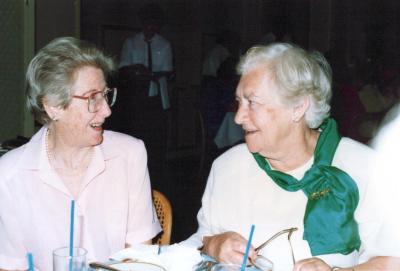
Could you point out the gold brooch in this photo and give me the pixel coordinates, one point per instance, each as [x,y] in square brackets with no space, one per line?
[320,194]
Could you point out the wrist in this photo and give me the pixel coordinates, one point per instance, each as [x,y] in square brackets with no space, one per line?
[205,241]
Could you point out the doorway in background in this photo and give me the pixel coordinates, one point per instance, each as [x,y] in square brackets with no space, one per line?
[17,43]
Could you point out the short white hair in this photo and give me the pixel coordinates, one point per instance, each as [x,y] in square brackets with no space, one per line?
[297,74]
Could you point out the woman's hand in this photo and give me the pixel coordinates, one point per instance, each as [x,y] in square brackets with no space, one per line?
[228,247]
[311,264]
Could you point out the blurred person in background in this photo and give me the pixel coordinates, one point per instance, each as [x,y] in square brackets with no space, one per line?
[150,52]
[219,81]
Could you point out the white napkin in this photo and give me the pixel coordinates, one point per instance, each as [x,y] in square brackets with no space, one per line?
[176,257]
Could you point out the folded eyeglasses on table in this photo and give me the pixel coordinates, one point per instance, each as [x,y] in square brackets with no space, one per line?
[208,262]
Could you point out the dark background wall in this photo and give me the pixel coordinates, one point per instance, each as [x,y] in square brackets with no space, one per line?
[348,30]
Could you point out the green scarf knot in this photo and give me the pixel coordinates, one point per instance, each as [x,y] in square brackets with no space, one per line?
[329,224]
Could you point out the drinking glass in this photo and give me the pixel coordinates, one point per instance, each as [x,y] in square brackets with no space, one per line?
[263,264]
[62,261]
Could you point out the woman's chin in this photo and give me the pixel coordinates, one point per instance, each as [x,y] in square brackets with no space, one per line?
[97,140]
[253,148]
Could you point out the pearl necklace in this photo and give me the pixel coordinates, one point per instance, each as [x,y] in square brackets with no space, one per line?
[76,172]
[46,144]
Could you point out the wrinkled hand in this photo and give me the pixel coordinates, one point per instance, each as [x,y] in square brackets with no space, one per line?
[311,264]
[228,247]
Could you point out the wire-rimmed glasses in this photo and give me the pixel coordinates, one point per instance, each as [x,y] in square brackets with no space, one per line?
[260,259]
[95,99]
[260,262]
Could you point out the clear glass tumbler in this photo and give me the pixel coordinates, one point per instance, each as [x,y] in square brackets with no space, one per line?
[62,261]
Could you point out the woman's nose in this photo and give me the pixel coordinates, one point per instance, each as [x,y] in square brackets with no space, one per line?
[240,114]
[105,109]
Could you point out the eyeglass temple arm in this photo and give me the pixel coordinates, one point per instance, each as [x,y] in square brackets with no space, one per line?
[291,247]
[114,98]
[274,236]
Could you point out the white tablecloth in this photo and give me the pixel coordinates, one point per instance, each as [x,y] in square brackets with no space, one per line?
[174,257]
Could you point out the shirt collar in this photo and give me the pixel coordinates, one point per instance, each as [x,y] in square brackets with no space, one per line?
[37,146]
[154,38]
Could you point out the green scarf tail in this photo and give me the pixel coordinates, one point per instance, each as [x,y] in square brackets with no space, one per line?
[329,225]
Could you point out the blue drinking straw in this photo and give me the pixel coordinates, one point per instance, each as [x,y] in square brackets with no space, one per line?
[246,254]
[71,235]
[30,261]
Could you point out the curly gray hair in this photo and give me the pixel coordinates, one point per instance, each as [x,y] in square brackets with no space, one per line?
[296,73]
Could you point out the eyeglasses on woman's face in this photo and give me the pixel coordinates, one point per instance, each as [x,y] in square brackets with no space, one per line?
[95,99]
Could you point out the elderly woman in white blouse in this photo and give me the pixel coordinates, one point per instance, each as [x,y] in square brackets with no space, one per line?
[294,172]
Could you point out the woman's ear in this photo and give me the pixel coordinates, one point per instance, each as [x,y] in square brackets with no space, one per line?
[300,109]
[54,112]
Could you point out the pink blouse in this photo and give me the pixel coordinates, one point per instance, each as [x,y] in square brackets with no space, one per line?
[114,206]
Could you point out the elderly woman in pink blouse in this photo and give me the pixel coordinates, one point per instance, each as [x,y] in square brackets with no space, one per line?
[72,157]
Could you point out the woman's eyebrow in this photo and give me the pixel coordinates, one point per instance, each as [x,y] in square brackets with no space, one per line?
[253,95]
[91,91]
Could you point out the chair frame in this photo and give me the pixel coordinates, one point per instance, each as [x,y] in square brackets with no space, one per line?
[164,214]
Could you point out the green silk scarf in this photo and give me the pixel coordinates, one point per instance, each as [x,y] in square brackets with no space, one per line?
[329,225]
